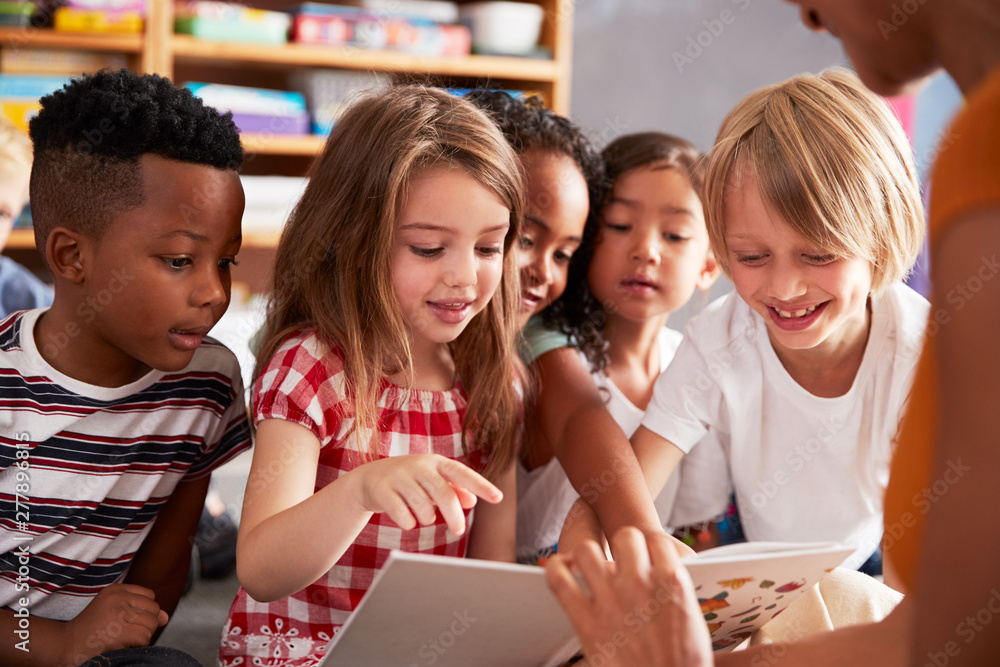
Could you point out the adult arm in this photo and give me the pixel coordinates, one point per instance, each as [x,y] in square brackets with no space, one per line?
[591,447]
[958,580]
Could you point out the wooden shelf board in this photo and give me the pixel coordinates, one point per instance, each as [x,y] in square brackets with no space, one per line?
[187,48]
[43,37]
[260,239]
[21,238]
[24,239]
[282,144]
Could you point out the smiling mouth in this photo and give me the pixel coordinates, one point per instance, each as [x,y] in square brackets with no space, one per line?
[531,298]
[791,314]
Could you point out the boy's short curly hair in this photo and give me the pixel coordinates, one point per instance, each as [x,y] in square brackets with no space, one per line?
[89,136]
[528,125]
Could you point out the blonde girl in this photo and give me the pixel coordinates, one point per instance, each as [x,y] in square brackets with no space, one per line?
[387,374]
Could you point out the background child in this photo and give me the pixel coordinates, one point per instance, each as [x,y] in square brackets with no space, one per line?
[19,288]
[814,212]
[650,255]
[561,173]
[387,367]
[566,412]
[116,407]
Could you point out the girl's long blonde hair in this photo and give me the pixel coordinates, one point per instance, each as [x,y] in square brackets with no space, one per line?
[333,270]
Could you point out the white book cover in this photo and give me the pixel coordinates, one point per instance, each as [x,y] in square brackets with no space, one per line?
[424,610]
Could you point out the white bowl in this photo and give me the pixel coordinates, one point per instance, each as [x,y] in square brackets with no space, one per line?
[506,28]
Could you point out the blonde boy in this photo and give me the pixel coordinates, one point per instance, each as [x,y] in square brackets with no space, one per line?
[19,288]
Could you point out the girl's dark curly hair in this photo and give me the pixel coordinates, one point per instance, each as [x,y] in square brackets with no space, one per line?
[89,136]
[528,125]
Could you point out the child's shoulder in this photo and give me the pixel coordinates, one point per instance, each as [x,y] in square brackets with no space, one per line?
[307,346]
[303,354]
[902,317]
[726,322]
[10,331]
[909,310]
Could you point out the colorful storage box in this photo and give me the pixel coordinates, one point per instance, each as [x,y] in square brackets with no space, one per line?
[16,14]
[20,95]
[69,19]
[230,22]
[257,109]
[336,25]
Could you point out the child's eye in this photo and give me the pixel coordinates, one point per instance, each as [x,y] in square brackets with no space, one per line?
[177,262]
[226,264]
[490,250]
[525,242]
[750,259]
[425,252]
[820,259]
[562,257]
[674,238]
[618,226]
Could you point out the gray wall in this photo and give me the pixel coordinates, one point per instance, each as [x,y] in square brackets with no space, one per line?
[680,65]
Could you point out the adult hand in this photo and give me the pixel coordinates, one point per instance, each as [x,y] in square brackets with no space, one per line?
[641,610]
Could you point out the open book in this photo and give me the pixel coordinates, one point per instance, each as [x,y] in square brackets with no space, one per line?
[452,612]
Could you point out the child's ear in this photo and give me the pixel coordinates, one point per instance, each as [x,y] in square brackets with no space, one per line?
[709,272]
[64,254]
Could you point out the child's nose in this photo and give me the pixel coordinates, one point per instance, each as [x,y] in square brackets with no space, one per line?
[461,271]
[785,282]
[213,288]
[647,248]
[541,269]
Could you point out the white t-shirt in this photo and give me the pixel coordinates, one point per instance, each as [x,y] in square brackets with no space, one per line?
[804,468]
[545,494]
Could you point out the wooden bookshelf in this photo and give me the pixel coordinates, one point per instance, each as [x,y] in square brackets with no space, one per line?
[157,49]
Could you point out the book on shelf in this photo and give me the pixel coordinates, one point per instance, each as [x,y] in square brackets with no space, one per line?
[453,612]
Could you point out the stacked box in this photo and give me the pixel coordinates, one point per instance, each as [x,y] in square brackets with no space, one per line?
[231,22]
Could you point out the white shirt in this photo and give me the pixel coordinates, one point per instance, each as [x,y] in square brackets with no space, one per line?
[804,468]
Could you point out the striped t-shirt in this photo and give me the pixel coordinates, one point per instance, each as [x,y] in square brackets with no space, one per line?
[84,470]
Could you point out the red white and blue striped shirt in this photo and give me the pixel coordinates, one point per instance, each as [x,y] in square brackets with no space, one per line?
[84,470]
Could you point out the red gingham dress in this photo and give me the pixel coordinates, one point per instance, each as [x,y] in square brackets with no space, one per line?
[304,382]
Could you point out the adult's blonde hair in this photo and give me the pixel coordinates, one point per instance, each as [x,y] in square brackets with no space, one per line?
[334,271]
[832,160]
